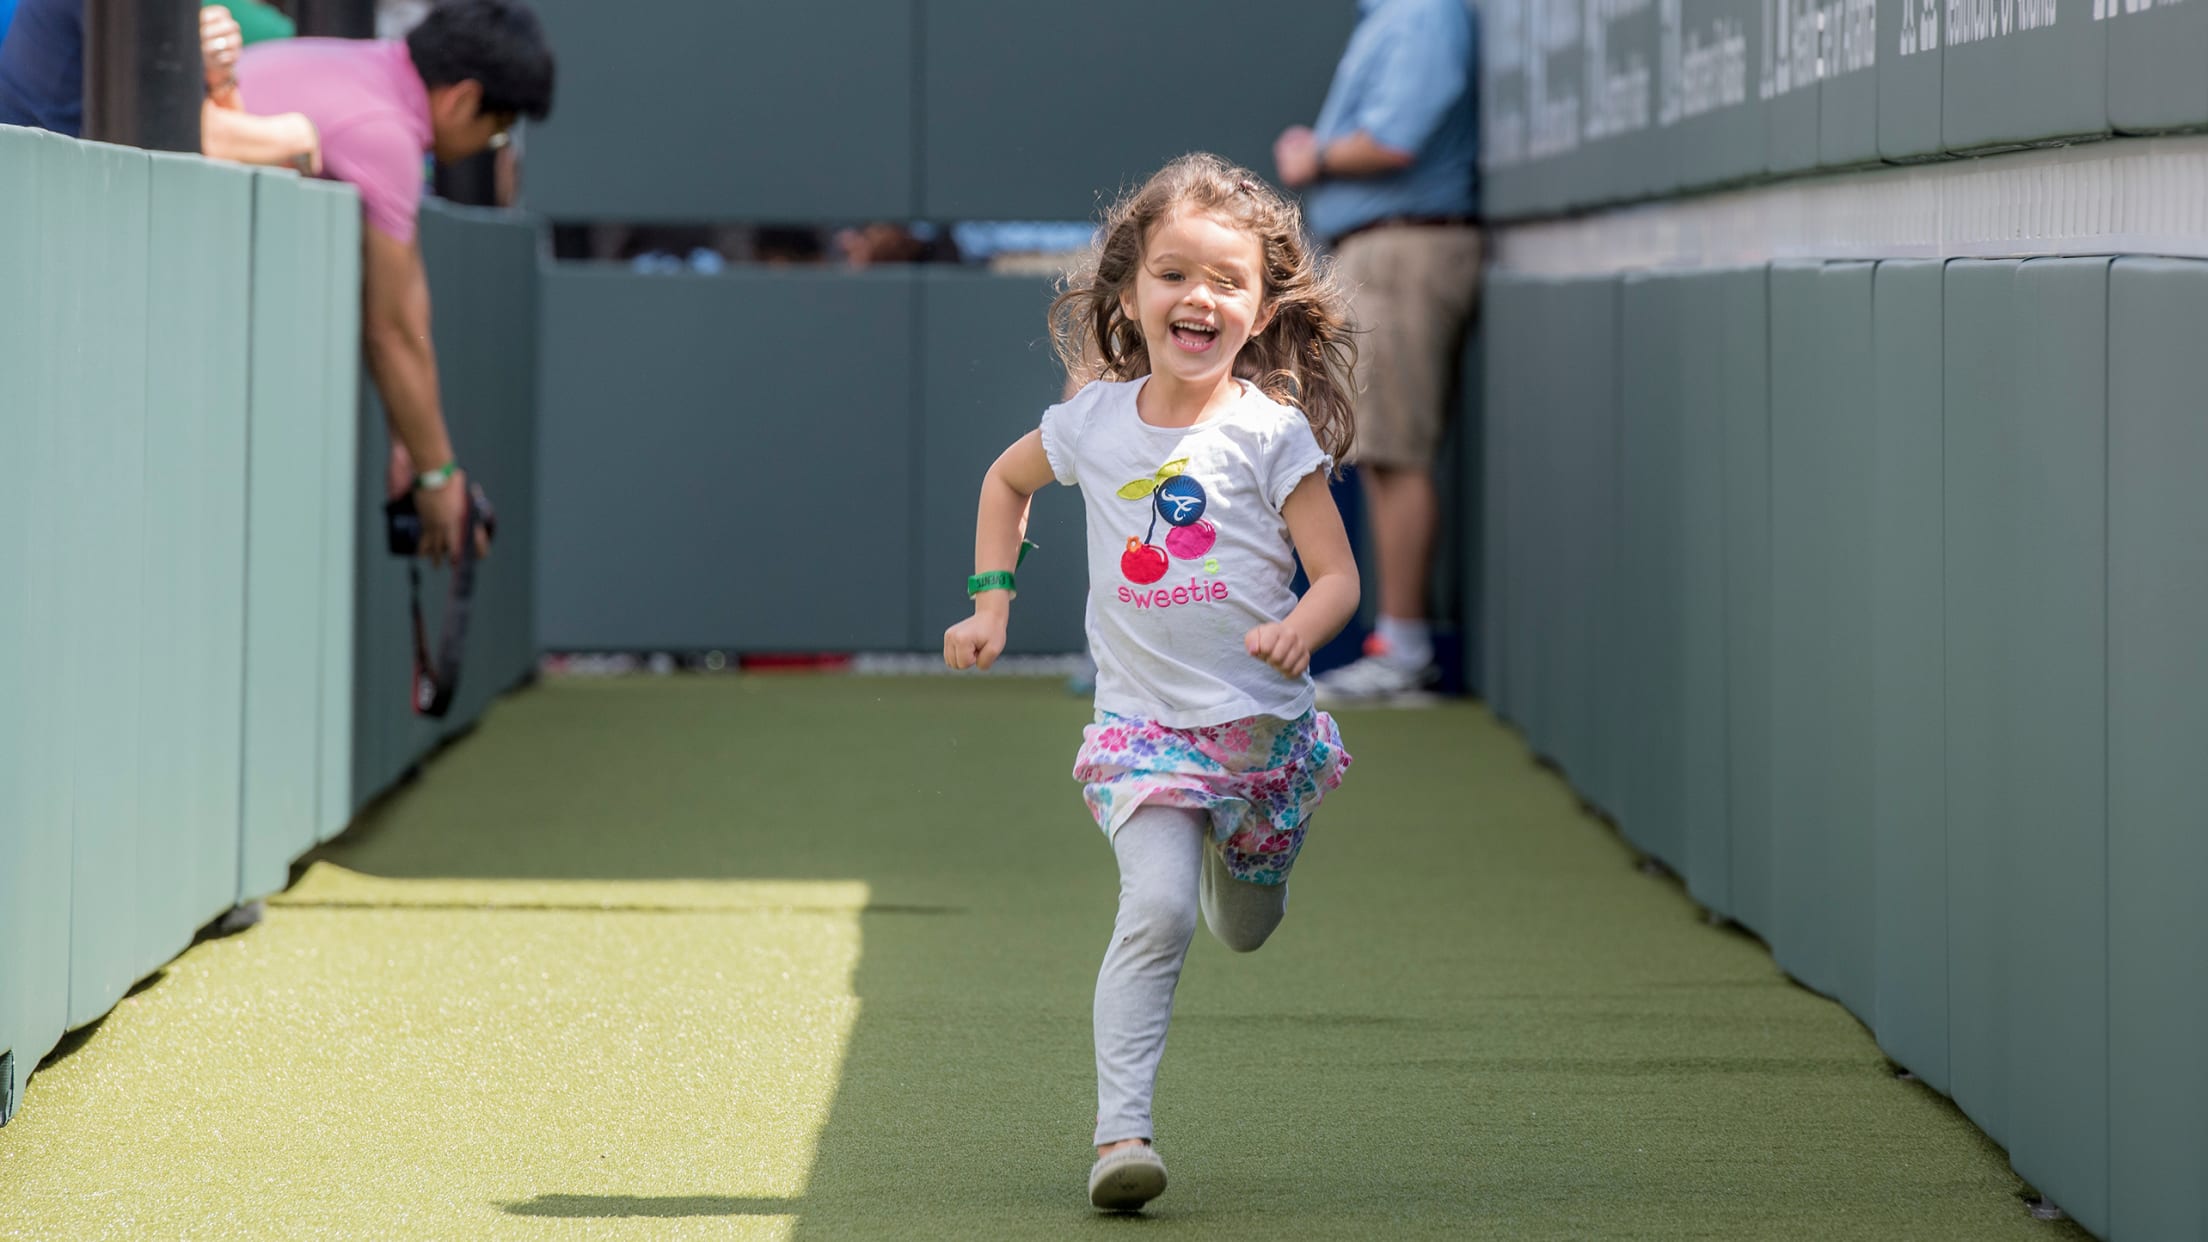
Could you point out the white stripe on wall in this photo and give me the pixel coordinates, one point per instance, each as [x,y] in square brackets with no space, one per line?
[2122,196]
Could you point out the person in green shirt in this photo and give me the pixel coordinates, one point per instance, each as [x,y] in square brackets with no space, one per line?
[257,21]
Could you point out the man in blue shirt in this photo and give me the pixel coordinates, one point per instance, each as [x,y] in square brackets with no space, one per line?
[42,67]
[1390,180]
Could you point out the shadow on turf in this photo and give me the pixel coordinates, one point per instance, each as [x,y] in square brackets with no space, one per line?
[599,1207]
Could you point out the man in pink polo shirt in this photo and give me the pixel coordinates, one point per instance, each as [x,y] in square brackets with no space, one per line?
[452,89]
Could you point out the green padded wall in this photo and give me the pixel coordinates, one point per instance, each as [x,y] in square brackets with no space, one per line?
[1821,466]
[731,110]
[764,504]
[1651,692]
[284,541]
[1790,86]
[179,387]
[1501,296]
[1556,104]
[97,392]
[34,777]
[1579,655]
[1713,131]
[1622,157]
[198,296]
[1908,809]
[1745,337]
[2155,54]
[2022,72]
[1848,97]
[1706,847]
[1503,33]
[2157,716]
[1982,348]
[339,372]
[1909,78]
[987,372]
[2054,739]
[1003,88]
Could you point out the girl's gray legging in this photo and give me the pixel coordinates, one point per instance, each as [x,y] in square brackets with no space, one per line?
[1167,869]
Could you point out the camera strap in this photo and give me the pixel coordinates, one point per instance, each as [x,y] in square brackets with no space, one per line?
[437,680]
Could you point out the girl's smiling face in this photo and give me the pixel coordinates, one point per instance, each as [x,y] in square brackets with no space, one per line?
[1198,296]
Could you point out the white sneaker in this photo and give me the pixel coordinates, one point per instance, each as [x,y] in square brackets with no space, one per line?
[1377,681]
[1127,1179]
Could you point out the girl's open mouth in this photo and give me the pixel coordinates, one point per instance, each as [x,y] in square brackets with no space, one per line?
[1193,337]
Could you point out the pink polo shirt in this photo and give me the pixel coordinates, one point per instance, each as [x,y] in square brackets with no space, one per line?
[370,107]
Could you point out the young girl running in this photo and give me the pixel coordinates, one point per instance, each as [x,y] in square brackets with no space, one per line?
[1219,404]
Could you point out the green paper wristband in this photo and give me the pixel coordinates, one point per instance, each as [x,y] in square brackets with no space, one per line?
[994,580]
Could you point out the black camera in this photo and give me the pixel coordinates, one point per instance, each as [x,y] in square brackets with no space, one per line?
[402,521]
[436,676]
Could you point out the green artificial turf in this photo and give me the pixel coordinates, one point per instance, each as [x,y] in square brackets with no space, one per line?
[812,957]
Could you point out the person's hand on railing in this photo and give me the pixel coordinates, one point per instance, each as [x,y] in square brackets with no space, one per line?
[219,43]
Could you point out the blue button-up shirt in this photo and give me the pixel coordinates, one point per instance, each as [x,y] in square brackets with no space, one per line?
[42,67]
[1408,79]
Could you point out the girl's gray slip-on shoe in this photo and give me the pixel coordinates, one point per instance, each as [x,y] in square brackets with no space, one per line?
[1127,1179]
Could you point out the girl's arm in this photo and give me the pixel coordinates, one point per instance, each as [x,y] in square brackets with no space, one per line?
[1315,525]
[1019,472]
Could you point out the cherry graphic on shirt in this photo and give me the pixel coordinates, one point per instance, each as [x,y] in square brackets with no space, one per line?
[1193,541]
[1181,501]
[1143,563]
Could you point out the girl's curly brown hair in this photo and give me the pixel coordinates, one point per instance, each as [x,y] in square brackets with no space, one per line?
[1304,355]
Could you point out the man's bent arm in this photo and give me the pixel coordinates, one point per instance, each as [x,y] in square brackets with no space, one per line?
[395,324]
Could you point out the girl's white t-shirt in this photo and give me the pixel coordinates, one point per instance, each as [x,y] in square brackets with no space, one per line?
[1210,556]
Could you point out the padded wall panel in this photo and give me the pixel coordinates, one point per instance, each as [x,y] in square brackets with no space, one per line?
[1789,85]
[987,373]
[1650,693]
[1908,780]
[1745,328]
[2054,783]
[340,377]
[1980,397]
[1589,649]
[1821,731]
[1499,408]
[1623,156]
[1504,31]
[763,495]
[740,110]
[2157,716]
[1007,151]
[2018,72]
[2155,54]
[1708,98]
[100,399]
[34,630]
[199,317]
[284,549]
[1557,94]
[1706,861]
[1909,78]
[1848,97]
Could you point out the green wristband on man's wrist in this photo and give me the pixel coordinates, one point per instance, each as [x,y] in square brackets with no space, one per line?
[433,480]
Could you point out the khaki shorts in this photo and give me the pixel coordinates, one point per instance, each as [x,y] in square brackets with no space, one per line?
[1411,291]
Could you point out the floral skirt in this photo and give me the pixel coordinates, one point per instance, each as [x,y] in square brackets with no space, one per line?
[1260,778]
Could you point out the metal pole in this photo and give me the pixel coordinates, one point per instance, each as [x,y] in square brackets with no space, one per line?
[336,19]
[142,79]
